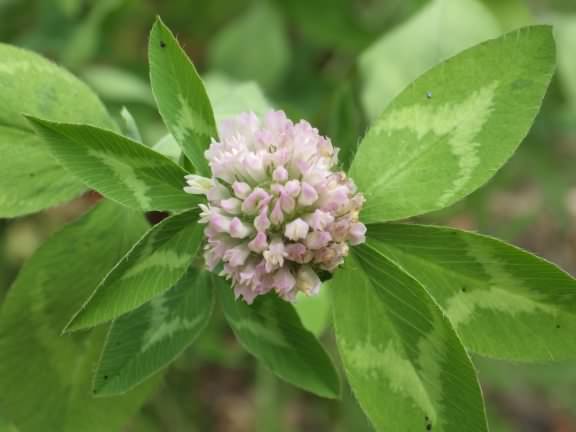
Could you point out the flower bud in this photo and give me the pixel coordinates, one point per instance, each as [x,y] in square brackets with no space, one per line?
[278,212]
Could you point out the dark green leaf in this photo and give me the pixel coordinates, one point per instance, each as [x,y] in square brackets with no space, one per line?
[270,329]
[152,266]
[253,47]
[147,339]
[347,123]
[120,169]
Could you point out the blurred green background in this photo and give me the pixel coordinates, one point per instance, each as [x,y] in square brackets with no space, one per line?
[336,63]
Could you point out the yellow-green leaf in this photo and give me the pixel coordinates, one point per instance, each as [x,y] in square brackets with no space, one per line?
[30,179]
[504,302]
[448,133]
[403,359]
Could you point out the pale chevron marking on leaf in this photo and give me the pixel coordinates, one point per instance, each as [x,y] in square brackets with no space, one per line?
[261,332]
[387,363]
[428,361]
[126,175]
[463,121]
[189,120]
[460,308]
[167,260]
[162,326]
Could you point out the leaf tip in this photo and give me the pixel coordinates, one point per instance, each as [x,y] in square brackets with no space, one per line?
[73,325]
[32,119]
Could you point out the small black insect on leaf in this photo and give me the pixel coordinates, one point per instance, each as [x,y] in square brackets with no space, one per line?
[162,44]
[105,377]
[428,427]
[557,326]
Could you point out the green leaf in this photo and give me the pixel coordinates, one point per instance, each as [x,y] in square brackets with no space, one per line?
[230,98]
[46,377]
[129,126]
[168,147]
[152,266]
[30,179]
[181,96]
[6,426]
[405,363]
[511,14]
[504,302]
[438,31]
[340,25]
[147,339]
[117,167]
[346,123]
[454,127]
[565,32]
[314,311]
[253,47]
[82,44]
[270,330]
[118,85]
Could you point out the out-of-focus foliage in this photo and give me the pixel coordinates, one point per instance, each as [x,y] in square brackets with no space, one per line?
[49,288]
[436,32]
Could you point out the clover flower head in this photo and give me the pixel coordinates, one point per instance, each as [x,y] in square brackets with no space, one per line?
[278,211]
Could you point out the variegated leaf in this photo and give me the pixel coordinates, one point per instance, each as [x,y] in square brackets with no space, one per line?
[152,266]
[503,301]
[147,339]
[46,377]
[454,127]
[271,330]
[181,97]
[30,179]
[439,30]
[117,167]
[405,363]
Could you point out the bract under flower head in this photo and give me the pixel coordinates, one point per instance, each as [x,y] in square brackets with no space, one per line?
[278,212]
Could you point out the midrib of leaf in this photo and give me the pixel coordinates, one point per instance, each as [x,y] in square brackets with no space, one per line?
[414,353]
[138,175]
[404,319]
[452,272]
